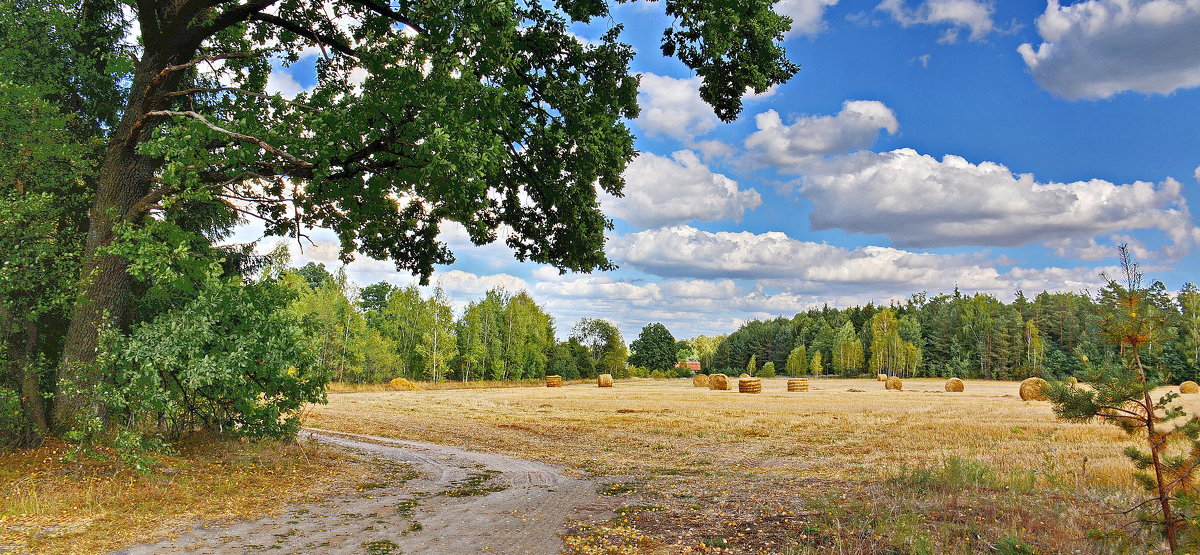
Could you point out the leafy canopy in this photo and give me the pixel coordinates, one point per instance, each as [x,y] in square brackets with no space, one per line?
[491,115]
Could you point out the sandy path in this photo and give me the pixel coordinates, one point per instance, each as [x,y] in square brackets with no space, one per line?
[446,500]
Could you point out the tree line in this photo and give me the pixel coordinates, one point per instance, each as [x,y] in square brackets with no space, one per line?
[380,332]
[969,336]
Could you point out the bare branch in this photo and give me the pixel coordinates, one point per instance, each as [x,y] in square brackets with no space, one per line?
[236,90]
[240,136]
[210,58]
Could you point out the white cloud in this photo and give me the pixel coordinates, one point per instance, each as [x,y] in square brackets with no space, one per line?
[822,272]
[281,81]
[919,201]
[1197,174]
[663,191]
[970,14]
[807,15]
[470,286]
[855,127]
[673,107]
[1098,48]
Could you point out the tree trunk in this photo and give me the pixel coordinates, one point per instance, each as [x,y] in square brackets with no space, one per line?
[31,388]
[105,290]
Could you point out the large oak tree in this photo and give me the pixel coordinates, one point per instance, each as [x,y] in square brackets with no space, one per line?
[491,114]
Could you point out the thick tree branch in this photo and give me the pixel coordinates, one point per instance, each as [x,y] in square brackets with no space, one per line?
[319,38]
[229,18]
[388,12]
[240,136]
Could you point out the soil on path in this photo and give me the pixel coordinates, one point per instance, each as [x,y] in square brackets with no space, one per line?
[438,500]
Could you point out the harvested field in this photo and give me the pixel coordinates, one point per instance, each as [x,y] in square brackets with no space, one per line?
[856,471]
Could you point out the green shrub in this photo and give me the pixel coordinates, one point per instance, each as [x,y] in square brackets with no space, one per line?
[768,370]
[232,360]
[13,426]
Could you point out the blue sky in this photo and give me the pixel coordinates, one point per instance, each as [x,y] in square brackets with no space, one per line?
[924,145]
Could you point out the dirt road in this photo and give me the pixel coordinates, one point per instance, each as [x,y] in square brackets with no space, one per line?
[439,500]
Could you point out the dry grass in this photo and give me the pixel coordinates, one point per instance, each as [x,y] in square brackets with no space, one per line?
[48,505]
[705,455]
[346,387]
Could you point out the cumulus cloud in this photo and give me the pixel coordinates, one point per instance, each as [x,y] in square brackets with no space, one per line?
[663,191]
[1098,48]
[471,286]
[958,14]
[807,15]
[807,138]
[919,201]
[820,270]
[673,107]
[281,81]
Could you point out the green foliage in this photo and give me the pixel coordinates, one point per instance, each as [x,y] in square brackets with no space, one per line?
[752,365]
[507,336]
[654,348]
[797,362]
[847,351]
[231,360]
[604,344]
[14,426]
[817,366]
[768,370]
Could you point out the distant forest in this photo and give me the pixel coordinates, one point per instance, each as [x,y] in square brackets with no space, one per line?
[380,331]
[1053,335]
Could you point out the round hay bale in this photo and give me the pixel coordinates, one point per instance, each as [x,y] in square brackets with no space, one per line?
[797,384]
[718,382]
[1034,389]
[894,383]
[750,385]
[605,380]
[700,380]
[1189,388]
[553,381]
[881,377]
[743,376]
[954,385]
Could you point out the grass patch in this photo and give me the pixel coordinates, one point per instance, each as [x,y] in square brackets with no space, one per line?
[475,485]
[95,504]
[380,547]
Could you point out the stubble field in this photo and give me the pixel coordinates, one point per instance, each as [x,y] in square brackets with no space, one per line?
[846,467]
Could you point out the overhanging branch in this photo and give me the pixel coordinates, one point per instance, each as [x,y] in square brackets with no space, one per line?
[240,136]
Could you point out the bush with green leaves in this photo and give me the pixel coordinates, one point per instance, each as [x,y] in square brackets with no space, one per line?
[768,370]
[232,360]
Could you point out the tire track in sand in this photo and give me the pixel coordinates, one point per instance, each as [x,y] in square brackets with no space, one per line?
[456,501]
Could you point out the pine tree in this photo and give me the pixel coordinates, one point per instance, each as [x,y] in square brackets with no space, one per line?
[1120,394]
